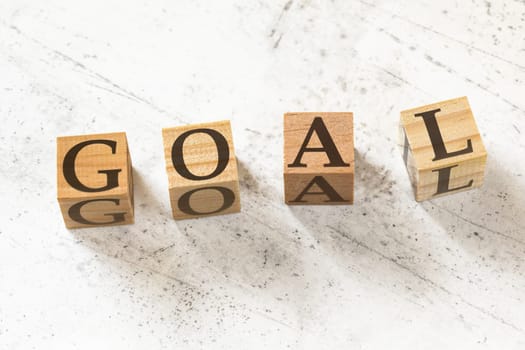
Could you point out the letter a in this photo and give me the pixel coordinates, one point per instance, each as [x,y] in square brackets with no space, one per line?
[328,146]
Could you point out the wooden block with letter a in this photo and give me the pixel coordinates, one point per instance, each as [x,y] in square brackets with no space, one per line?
[94,180]
[202,170]
[318,158]
[442,148]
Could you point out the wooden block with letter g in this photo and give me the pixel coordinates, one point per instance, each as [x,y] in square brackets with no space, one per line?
[318,158]
[202,170]
[442,148]
[94,180]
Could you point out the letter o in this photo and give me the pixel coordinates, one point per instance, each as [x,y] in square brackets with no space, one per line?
[228,198]
[177,157]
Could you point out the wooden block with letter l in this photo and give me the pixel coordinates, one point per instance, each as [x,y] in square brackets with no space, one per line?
[202,170]
[94,180]
[318,158]
[442,148]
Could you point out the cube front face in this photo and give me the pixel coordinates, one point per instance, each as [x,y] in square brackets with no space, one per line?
[94,180]
[442,148]
[318,158]
[319,189]
[202,170]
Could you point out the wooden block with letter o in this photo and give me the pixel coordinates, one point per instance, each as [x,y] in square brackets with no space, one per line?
[202,170]
[94,180]
[318,158]
[442,148]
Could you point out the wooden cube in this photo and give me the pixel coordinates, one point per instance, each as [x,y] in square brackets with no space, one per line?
[318,158]
[94,180]
[442,148]
[202,170]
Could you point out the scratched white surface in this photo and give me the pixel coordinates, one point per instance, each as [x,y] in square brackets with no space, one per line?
[386,273]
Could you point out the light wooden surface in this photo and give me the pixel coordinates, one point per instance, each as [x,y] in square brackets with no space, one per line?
[208,180]
[458,158]
[94,174]
[384,273]
[318,157]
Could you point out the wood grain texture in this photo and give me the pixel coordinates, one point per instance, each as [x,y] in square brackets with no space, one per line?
[305,145]
[98,160]
[457,130]
[195,193]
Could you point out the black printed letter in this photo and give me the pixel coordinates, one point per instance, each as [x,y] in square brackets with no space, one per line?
[328,146]
[444,179]
[74,213]
[327,190]
[177,157]
[228,197]
[440,151]
[69,168]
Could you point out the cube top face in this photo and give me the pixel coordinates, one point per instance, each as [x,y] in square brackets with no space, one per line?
[297,127]
[442,133]
[199,154]
[93,166]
